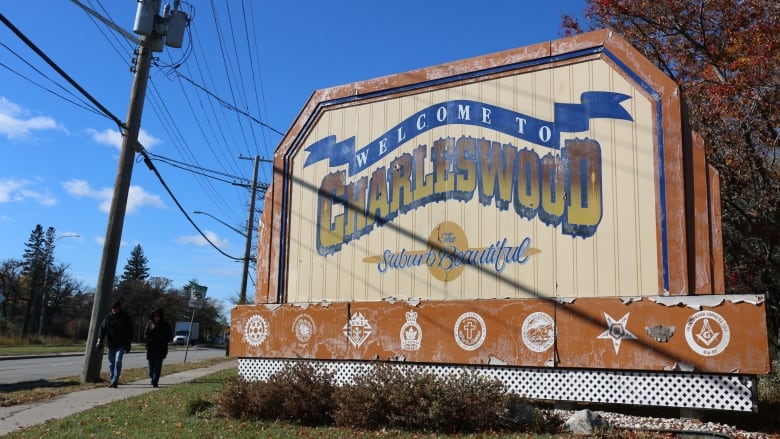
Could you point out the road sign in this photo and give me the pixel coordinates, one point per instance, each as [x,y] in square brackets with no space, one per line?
[197,295]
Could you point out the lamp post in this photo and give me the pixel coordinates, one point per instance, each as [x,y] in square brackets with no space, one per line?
[46,278]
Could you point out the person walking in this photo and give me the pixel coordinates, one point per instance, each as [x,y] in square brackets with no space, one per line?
[157,335]
[116,331]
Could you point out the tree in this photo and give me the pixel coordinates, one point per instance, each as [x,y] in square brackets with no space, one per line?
[77,310]
[235,299]
[136,268]
[66,304]
[36,288]
[725,57]
[134,291]
[141,294]
[37,259]
[11,288]
[209,315]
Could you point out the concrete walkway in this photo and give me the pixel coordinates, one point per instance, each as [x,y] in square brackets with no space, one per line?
[21,416]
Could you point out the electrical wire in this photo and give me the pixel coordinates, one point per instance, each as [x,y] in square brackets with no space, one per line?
[203,171]
[62,73]
[203,174]
[78,104]
[258,86]
[113,40]
[230,106]
[158,105]
[157,102]
[226,64]
[150,165]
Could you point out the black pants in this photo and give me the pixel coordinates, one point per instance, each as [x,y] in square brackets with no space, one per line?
[155,369]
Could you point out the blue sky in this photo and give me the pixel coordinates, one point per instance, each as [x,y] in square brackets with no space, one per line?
[59,156]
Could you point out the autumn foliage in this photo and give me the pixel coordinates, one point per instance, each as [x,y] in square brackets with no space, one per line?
[725,56]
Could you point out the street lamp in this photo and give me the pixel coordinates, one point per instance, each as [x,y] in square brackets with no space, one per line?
[46,277]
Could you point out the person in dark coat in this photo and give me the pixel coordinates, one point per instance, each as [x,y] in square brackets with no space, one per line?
[116,332]
[157,335]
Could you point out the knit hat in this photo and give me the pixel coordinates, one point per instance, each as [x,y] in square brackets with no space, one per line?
[117,305]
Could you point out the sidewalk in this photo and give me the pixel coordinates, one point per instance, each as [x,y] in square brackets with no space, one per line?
[20,416]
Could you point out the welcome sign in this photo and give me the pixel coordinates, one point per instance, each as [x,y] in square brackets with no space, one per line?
[463,166]
[543,207]
[467,191]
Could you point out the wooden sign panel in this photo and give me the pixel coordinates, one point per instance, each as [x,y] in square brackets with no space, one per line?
[533,207]
[650,333]
[545,171]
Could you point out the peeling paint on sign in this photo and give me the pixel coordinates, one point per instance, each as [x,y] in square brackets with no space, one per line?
[660,333]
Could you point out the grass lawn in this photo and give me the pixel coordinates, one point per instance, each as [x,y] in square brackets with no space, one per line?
[188,411]
[21,393]
[6,351]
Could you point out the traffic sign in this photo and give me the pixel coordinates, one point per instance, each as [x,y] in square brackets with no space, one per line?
[197,295]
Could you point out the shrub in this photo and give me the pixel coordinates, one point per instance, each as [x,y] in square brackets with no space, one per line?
[234,400]
[300,393]
[415,404]
[365,404]
[305,394]
[385,397]
[464,402]
[769,385]
[391,397]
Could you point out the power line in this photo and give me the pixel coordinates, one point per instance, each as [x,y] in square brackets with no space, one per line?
[62,73]
[198,169]
[83,104]
[164,115]
[159,106]
[257,85]
[229,105]
[78,104]
[150,165]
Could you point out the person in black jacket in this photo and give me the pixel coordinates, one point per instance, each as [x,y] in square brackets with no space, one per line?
[116,332]
[157,335]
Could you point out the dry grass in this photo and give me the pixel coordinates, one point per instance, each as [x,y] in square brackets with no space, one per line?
[188,411]
[40,390]
[36,340]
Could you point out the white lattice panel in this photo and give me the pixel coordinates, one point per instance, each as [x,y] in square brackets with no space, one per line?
[667,389]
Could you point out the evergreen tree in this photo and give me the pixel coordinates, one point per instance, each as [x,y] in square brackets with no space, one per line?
[136,268]
[37,259]
[134,291]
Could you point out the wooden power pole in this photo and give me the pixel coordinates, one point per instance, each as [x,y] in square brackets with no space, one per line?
[154,30]
[116,218]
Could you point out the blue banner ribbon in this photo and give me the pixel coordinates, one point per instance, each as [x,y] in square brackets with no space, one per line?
[569,118]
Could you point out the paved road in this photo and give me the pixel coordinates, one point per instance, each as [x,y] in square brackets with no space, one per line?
[50,367]
[19,416]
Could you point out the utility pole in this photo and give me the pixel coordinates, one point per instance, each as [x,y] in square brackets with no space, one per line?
[116,217]
[249,234]
[152,30]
